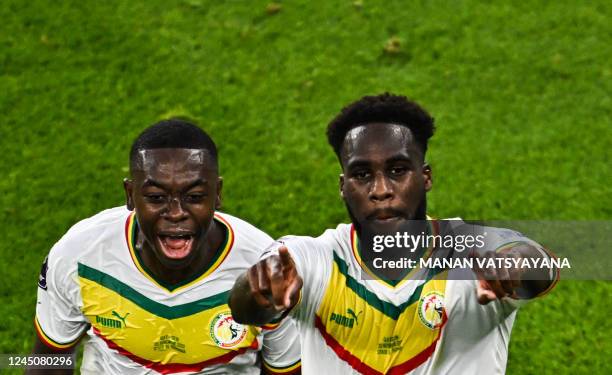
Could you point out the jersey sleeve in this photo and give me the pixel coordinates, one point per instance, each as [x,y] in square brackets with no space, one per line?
[281,348]
[503,239]
[312,259]
[59,322]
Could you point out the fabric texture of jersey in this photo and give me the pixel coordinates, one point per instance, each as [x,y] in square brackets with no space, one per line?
[95,281]
[349,323]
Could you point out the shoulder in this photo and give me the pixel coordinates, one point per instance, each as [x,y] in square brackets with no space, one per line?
[242,228]
[246,240]
[238,224]
[313,254]
[82,237]
[329,240]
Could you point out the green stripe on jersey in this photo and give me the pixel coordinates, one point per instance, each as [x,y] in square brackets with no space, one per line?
[156,308]
[372,299]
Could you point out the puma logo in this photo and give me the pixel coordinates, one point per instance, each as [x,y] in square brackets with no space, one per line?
[346,321]
[353,315]
[120,317]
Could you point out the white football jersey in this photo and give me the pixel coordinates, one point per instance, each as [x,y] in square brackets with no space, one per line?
[95,281]
[352,324]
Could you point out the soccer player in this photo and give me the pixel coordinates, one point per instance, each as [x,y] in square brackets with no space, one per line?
[148,282]
[385,323]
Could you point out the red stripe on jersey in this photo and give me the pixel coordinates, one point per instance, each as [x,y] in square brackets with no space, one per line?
[172,368]
[363,368]
[344,354]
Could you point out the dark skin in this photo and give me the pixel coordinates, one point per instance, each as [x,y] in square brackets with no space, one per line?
[384,178]
[174,192]
[384,183]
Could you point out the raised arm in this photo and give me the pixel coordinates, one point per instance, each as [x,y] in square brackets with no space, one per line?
[267,290]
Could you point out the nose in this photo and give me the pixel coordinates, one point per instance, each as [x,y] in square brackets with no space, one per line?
[175,211]
[381,188]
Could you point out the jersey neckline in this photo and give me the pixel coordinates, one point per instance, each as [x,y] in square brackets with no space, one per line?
[432,229]
[131,228]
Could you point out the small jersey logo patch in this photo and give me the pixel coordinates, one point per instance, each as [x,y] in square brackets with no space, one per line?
[225,332]
[169,342]
[42,278]
[431,310]
[349,320]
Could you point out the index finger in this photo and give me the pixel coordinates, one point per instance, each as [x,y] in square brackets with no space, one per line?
[278,285]
[285,257]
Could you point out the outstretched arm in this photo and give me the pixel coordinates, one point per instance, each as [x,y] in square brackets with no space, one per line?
[513,282]
[267,290]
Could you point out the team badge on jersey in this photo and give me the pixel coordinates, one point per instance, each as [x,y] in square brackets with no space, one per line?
[42,277]
[225,332]
[431,309]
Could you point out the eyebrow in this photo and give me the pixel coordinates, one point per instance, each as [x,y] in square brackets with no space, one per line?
[197,182]
[365,162]
[357,163]
[150,182]
[399,157]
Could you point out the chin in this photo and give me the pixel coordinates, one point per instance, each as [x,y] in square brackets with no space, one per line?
[383,227]
[174,263]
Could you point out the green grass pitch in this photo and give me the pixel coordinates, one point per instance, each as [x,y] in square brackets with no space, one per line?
[521,93]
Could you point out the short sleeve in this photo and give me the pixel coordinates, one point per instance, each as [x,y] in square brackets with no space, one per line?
[313,260]
[281,348]
[503,239]
[59,322]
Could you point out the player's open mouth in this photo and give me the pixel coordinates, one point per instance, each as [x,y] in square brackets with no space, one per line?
[175,246]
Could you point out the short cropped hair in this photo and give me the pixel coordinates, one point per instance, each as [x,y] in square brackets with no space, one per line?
[383,108]
[173,133]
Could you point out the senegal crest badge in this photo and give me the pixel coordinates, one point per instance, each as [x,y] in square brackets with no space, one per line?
[431,310]
[225,332]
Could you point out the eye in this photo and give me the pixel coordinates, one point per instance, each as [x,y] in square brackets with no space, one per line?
[195,197]
[398,170]
[155,198]
[361,174]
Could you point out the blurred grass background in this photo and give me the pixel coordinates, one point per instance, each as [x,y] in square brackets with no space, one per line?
[521,93]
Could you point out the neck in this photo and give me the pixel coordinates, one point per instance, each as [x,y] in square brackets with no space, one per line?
[406,243]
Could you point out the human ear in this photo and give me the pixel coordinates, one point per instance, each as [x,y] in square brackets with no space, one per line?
[218,199]
[128,187]
[428,177]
